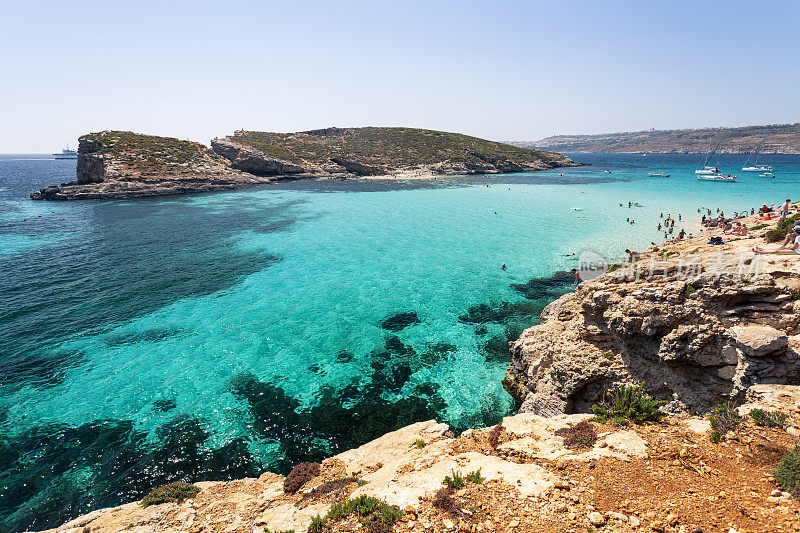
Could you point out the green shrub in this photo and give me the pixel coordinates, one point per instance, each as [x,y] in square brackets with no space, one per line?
[581,436]
[723,418]
[787,473]
[780,231]
[613,267]
[174,492]
[689,290]
[773,419]
[759,226]
[475,477]
[299,475]
[268,530]
[420,444]
[317,525]
[454,481]
[375,515]
[629,404]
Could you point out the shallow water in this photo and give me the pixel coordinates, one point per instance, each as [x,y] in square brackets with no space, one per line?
[214,336]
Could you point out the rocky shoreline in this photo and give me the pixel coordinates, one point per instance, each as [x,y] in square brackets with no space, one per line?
[117,164]
[684,314]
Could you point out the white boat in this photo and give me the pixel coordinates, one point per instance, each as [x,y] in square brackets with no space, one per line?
[766,175]
[755,167]
[717,177]
[66,153]
[658,174]
[707,169]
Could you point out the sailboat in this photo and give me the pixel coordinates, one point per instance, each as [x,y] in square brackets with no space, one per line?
[709,173]
[708,170]
[756,167]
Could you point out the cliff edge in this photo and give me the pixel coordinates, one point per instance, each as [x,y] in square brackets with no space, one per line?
[122,164]
[697,323]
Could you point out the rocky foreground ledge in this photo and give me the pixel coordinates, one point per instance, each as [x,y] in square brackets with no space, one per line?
[665,477]
[698,324]
[120,164]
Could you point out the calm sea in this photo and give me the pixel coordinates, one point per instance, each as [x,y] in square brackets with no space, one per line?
[219,335]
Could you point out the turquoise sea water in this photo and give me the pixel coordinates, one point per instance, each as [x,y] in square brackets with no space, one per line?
[215,336]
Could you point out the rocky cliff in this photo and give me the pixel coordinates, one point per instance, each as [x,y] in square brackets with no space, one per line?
[120,164]
[697,324]
[389,152]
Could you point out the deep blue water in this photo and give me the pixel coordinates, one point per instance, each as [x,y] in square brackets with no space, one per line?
[215,336]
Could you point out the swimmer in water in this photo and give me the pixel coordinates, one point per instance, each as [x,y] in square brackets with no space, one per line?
[503,267]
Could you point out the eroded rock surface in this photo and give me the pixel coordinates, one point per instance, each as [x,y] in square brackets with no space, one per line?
[695,337]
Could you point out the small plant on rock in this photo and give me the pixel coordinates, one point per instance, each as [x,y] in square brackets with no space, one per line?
[299,475]
[174,492]
[475,477]
[772,419]
[317,524]
[787,473]
[420,444]
[444,501]
[454,481]
[689,291]
[724,419]
[629,404]
[377,516]
[581,436]
[268,530]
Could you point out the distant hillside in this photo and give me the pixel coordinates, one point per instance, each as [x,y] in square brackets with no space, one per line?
[778,139]
[379,151]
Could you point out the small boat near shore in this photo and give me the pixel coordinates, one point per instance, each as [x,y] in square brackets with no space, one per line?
[766,175]
[66,153]
[658,174]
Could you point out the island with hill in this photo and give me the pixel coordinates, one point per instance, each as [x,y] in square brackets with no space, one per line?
[119,164]
[777,139]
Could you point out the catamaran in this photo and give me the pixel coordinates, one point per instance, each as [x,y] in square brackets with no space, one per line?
[756,167]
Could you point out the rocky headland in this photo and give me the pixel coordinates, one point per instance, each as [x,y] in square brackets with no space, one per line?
[118,164]
[710,331]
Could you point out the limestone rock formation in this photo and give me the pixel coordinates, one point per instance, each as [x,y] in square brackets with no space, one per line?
[695,340]
[119,164]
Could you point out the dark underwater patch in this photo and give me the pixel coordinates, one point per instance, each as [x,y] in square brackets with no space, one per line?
[131,259]
[52,472]
[499,313]
[40,371]
[164,405]
[340,419]
[400,321]
[549,287]
[149,335]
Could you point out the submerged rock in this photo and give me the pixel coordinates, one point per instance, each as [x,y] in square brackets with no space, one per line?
[400,321]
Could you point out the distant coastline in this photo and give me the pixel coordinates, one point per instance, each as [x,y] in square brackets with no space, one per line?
[776,139]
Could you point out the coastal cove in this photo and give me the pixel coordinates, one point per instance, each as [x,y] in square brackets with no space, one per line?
[240,331]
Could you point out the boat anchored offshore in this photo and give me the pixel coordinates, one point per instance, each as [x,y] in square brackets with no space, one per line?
[717,177]
[66,153]
[755,166]
[658,174]
[707,169]
[766,175]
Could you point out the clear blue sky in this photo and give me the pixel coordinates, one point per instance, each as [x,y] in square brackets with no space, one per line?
[501,70]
